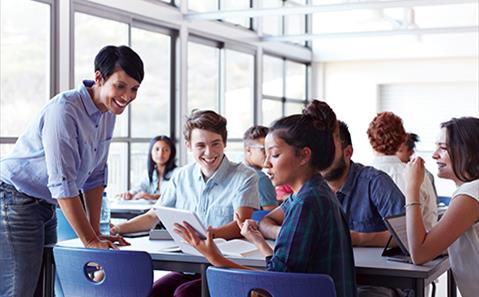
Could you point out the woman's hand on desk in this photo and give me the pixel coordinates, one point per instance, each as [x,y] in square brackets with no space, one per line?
[125,196]
[116,239]
[207,246]
[98,243]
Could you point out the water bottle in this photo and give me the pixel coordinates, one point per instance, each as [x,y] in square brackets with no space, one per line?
[105,215]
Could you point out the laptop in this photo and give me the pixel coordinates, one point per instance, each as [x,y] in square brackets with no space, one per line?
[397,228]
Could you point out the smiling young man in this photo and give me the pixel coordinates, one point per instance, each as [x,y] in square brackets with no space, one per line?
[63,152]
[213,187]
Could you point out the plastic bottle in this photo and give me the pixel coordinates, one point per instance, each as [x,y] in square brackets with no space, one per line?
[105,215]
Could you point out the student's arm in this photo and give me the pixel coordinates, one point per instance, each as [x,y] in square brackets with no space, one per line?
[271,223]
[377,239]
[139,223]
[231,230]
[461,214]
[93,199]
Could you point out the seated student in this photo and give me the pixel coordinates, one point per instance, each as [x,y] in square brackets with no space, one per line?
[457,157]
[386,133]
[315,236]
[254,157]
[406,150]
[366,194]
[160,165]
[214,187]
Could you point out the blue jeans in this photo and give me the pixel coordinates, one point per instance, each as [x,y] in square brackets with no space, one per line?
[26,225]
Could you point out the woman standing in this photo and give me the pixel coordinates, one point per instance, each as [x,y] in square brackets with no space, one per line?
[160,164]
[457,157]
[61,154]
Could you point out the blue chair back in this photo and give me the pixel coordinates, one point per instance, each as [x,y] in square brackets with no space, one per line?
[239,283]
[64,230]
[126,273]
[259,214]
[444,200]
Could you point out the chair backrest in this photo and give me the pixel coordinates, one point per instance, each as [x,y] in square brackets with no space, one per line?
[126,273]
[239,283]
[259,214]
[64,229]
[444,200]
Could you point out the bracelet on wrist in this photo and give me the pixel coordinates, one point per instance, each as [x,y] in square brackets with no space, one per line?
[412,204]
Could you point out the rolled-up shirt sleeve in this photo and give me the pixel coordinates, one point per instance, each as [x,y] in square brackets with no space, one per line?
[62,155]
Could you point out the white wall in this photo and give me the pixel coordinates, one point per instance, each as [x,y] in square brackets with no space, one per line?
[351,88]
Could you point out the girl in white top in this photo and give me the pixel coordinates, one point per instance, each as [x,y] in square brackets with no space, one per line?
[457,157]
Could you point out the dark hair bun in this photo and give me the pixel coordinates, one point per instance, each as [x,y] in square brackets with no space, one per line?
[323,116]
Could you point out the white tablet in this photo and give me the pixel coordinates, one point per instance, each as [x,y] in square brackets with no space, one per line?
[171,216]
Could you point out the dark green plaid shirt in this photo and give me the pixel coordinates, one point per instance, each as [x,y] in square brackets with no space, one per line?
[314,237]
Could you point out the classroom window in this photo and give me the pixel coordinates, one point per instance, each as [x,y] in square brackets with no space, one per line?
[25,63]
[239,93]
[203,77]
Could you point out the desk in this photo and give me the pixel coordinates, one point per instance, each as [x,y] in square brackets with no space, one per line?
[129,209]
[371,268]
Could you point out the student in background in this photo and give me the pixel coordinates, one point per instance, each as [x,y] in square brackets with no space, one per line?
[213,187]
[160,165]
[386,133]
[407,149]
[254,157]
[457,157]
[283,192]
[63,152]
[314,237]
[366,194]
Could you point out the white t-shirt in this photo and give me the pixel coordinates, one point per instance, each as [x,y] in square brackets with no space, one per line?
[393,166]
[464,252]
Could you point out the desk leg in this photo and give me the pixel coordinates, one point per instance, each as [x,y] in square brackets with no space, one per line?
[419,288]
[451,284]
[204,283]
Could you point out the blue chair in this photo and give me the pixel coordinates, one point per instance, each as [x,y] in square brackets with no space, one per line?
[259,214]
[239,283]
[125,273]
[445,200]
[64,230]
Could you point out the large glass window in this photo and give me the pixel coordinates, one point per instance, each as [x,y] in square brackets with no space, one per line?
[150,113]
[284,88]
[203,76]
[24,63]
[239,95]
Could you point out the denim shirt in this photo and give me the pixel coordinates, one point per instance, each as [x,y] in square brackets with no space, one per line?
[233,185]
[367,196]
[64,150]
[314,237]
[267,193]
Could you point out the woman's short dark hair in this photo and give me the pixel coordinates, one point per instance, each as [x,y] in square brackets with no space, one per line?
[170,164]
[314,129]
[111,58]
[206,120]
[386,133]
[462,141]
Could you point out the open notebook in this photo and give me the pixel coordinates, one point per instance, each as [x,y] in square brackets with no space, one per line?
[169,216]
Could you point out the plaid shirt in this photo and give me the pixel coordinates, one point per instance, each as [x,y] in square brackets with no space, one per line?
[314,237]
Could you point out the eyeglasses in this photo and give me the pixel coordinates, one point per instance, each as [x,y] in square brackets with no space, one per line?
[257,146]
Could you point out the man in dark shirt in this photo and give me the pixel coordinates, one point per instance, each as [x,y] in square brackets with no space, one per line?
[366,194]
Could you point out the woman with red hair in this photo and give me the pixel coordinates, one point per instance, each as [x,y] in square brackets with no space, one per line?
[386,134]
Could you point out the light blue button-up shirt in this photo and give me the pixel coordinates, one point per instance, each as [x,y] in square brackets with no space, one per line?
[64,150]
[152,187]
[233,185]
